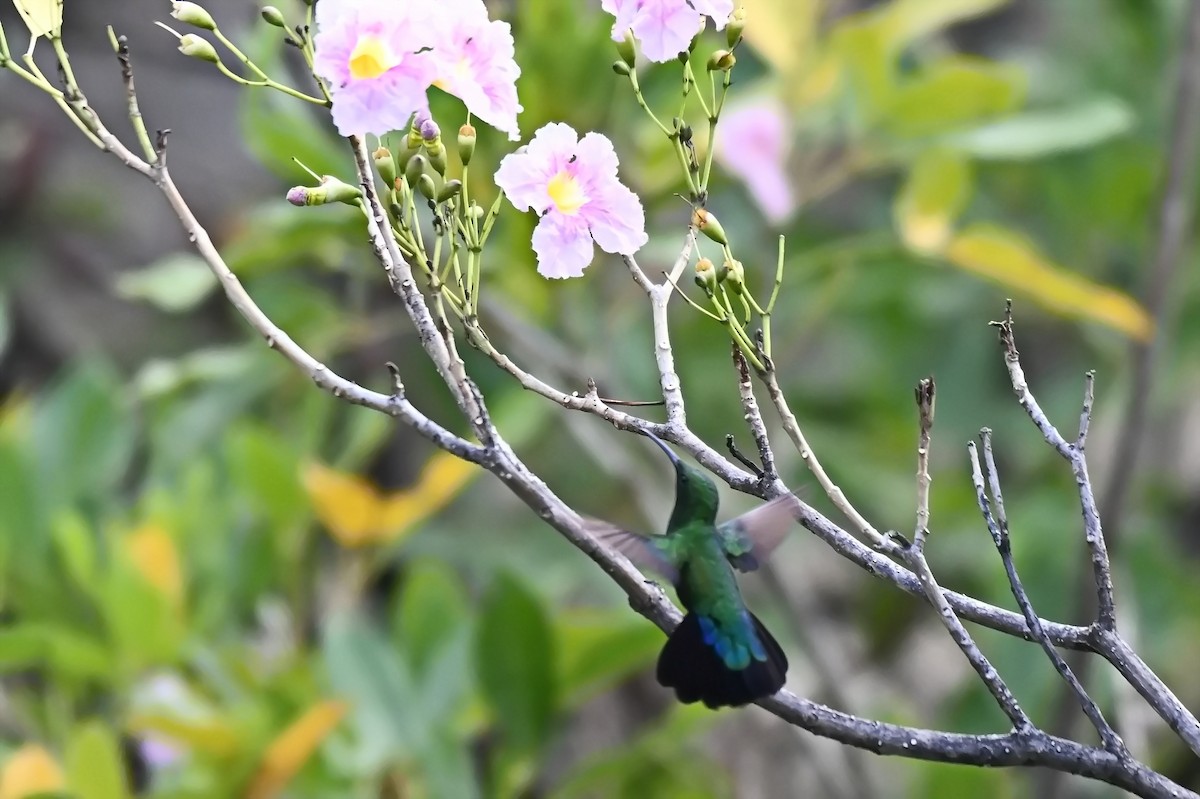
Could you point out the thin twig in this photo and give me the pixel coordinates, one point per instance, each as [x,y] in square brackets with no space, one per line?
[914,554]
[926,394]
[835,494]
[997,524]
[752,414]
[1093,533]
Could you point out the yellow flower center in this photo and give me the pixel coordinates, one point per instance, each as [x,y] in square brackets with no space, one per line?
[371,58]
[566,193]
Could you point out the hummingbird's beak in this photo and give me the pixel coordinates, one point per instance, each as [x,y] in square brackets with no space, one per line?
[674,458]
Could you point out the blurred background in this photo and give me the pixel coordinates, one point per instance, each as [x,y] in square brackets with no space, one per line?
[217,581]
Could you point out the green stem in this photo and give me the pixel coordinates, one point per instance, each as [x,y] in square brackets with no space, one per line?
[61,101]
[245,59]
[637,93]
[267,83]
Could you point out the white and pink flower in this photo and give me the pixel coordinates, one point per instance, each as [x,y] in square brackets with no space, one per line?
[665,28]
[572,184]
[380,57]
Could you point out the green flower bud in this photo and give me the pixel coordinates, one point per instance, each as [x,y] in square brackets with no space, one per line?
[707,224]
[466,144]
[385,165]
[721,61]
[627,49]
[192,14]
[706,275]
[427,186]
[195,46]
[622,69]
[734,27]
[273,16]
[476,211]
[735,275]
[449,191]
[417,166]
[329,190]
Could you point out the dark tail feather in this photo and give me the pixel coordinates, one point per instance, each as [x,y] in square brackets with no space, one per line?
[697,673]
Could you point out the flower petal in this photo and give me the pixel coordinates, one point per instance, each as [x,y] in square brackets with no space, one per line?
[563,246]
[525,174]
[616,219]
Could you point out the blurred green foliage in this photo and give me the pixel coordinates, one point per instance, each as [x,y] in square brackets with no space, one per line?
[176,601]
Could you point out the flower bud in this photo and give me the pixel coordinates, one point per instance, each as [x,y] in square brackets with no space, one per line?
[431,138]
[466,144]
[192,14]
[707,224]
[426,186]
[734,27]
[721,61]
[706,275]
[417,166]
[449,191]
[273,16]
[329,190]
[195,46]
[621,68]
[627,49]
[476,211]
[385,165]
[735,275]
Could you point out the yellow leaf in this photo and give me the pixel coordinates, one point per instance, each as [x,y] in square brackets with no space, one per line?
[782,31]
[44,17]
[347,505]
[440,481]
[356,514]
[937,189]
[153,553]
[288,753]
[30,771]
[1014,262]
[210,736]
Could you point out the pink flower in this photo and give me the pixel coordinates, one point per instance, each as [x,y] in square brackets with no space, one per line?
[475,62]
[572,183]
[754,141]
[665,28]
[375,56]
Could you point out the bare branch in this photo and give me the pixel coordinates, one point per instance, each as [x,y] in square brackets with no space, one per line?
[1093,534]
[997,524]
[926,395]
[914,554]
[754,419]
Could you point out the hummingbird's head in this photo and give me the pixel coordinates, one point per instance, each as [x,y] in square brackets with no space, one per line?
[696,496]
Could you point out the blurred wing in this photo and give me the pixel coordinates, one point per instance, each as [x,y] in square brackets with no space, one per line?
[751,537]
[645,552]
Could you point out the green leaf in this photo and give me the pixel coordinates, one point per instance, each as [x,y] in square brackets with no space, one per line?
[951,93]
[146,629]
[600,648]
[937,190]
[162,376]
[1036,134]
[95,768]
[85,436]
[365,669]
[431,606]
[262,464]
[66,653]
[177,283]
[76,546]
[515,661]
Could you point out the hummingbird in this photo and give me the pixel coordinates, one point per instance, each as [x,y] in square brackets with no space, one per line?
[720,654]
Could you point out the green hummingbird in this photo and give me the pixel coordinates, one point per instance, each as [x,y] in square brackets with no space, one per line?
[720,654]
